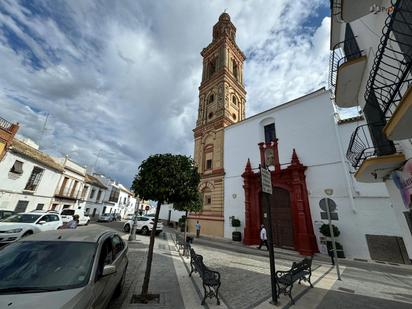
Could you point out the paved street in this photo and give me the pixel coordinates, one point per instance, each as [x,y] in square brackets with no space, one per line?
[246,281]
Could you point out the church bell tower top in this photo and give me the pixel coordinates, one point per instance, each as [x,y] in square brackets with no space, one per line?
[224,28]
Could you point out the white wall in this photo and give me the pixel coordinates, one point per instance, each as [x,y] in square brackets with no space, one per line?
[308,126]
[175,214]
[12,185]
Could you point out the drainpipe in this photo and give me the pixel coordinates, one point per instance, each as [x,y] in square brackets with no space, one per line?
[349,184]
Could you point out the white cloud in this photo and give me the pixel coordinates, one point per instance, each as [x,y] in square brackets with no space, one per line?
[123,77]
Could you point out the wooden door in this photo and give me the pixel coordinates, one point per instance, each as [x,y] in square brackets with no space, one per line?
[282,227]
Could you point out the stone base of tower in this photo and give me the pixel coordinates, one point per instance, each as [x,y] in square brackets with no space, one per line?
[210,225]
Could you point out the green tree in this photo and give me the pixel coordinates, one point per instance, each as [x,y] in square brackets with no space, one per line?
[167,179]
[192,205]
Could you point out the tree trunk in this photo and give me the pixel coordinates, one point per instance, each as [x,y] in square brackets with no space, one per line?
[185,233]
[145,286]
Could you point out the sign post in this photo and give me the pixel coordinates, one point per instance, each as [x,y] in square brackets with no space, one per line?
[335,254]
[132,235]
[267,192]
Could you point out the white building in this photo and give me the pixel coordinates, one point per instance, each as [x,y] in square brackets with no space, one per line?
[70,191]
[94,193]
[127,202]
[311,159]
[28,177]
[168,214]
[371,58]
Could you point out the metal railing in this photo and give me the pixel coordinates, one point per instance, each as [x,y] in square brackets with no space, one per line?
[342,52]
[368,141]
[391,76]
[336,10]
[4,124]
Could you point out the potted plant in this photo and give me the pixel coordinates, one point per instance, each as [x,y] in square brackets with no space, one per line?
[236,235]
[325,231]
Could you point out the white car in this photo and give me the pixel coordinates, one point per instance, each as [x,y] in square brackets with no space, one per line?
[144,225]
[24,224]
[67,215]
[70,269]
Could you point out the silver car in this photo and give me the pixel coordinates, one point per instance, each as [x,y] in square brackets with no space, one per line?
[80,268]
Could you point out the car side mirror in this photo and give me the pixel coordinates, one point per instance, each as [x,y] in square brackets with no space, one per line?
[42,222]
[108,270]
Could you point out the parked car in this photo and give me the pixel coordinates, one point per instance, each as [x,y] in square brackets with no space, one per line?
[129,217]
[24,224]
[4,213]
[144,225]
[67,215]
[105,218]
[80,269]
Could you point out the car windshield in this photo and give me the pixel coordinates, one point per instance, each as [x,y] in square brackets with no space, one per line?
[45,265]
[22,218]
[68,212]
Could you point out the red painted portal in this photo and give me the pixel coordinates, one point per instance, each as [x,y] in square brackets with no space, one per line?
[292,179]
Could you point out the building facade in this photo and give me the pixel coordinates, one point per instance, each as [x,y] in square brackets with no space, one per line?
[371,59]
[222,99]
[305,138]
[28,177]
[93,196]
[71,188]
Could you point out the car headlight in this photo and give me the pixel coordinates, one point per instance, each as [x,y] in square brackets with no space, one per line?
[14,231]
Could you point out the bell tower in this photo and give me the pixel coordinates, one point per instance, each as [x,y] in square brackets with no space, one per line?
[222,98]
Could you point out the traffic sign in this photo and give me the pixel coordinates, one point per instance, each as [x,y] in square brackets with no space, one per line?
[330,202]
[266,180]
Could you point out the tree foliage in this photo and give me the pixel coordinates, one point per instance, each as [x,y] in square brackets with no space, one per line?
[193,205]
[167,178]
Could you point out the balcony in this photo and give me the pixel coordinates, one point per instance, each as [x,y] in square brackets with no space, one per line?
[7,132]
[371,154]
[347,65]
[350,10]
[391,77]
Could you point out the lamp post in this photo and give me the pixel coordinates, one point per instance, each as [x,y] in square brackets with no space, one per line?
[132,235]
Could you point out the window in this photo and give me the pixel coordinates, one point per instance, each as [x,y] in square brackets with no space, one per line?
[234,65]
[66,206]
[85,188]
[99,194]
[234,116]
[118,246]
[234,99]
[54,218]
[210,115]
[65,180]
[212,67]
[21,206]
[54,206]
[39,206]
[92,193]
[72,193]
[34,179]
[105,258]
[114,195]
[208,199]
[211,98]
[17,167]
[270,133]
[209,164]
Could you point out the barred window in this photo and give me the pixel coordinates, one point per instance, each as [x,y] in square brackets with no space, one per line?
[34,179]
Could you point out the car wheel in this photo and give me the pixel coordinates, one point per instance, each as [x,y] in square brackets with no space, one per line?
[28,233]
[145,230]
[126,228]
[119,287]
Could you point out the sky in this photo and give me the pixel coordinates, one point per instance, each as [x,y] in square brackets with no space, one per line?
[118,81]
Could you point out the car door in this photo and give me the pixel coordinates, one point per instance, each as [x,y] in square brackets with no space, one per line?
[120,260]
[55,222]
[102,284]
[45,224]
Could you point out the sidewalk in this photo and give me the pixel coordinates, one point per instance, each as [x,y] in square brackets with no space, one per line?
[246,280]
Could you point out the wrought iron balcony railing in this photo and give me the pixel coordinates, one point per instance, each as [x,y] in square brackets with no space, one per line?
[342,52]
[391,75]
[5,125]
[368,141]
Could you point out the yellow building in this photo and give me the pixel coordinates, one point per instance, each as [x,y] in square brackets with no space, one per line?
[222,98]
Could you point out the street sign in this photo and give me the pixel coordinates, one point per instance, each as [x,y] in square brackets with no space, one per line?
[327,201]
[266,181]
[333,215]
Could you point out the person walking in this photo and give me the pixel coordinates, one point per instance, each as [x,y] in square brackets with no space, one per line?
[72,224]
[197,226]
[263,237]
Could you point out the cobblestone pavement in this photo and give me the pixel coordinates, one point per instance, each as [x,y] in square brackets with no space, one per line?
[246,280]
